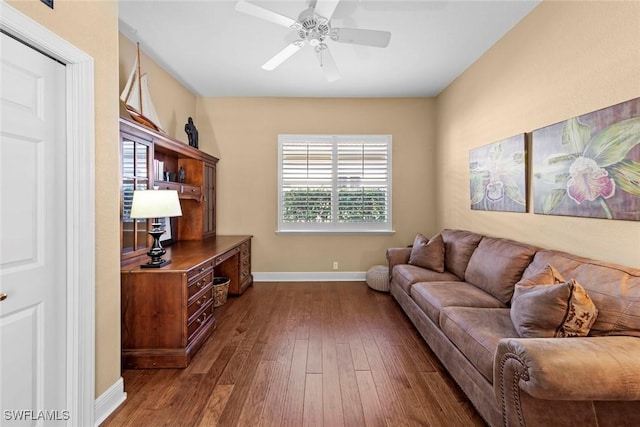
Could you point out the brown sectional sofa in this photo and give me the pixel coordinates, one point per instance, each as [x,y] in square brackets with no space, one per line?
[464,315]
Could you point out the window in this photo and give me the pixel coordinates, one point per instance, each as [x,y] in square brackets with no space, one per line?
[334,183]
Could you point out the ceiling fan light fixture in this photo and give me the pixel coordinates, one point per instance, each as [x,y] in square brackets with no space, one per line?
[315,38]
[320,47]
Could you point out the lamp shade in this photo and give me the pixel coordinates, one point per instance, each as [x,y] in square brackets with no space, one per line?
[155,204]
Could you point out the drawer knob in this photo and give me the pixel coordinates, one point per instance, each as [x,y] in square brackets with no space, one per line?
[199,284]
[202,301]
[204,317]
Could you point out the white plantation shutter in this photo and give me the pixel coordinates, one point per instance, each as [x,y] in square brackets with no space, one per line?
[363,171]
[332,183]
[307,179]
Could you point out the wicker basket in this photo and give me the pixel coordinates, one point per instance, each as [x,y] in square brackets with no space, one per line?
[378,278]
[220,290]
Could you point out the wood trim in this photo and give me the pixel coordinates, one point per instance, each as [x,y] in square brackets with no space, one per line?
[109,401]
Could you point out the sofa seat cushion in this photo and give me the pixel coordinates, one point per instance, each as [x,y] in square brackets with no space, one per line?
[476,333]
[613,288]
[433,297]
[497,265]
[406,275]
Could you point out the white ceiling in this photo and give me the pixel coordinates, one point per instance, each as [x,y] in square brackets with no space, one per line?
[215,51]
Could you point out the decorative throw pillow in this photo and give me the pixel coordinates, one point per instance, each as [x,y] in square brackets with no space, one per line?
[581,313]
[428,253]
[552,309]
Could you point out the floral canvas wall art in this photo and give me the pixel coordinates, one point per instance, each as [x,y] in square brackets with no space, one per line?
[590,165]
[497,176]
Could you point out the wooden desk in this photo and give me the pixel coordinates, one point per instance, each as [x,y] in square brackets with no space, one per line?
[168,313]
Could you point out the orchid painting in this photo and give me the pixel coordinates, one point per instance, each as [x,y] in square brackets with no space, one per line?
[497,176]
[590,165]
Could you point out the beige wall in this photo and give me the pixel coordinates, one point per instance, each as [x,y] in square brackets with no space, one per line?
[243,133]
[172,101]
[92,26]
[564,59]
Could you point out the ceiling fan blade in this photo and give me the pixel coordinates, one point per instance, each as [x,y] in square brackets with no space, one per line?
[373,38]
[262,13]
[328,64]
[283,55]
[325,8]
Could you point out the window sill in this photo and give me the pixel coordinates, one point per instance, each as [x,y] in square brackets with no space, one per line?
[353,232]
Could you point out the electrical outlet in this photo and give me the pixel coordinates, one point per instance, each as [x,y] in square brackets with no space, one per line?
[335,265]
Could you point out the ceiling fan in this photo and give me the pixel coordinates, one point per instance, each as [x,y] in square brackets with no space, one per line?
[313,27]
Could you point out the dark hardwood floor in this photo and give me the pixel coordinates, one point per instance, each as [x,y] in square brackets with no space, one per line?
[294,354]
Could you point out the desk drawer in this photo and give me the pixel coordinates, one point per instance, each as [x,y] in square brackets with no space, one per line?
[190,192]
[199,283]
[198,270]
[200,321]
[245,249]
[244,273]
[185,191]
[225,256]
[199,301]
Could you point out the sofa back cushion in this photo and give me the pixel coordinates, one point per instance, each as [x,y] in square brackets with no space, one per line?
[613,288]
[458,248]
[497,265]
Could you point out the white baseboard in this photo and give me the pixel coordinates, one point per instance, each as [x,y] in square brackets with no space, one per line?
[109,401]
[310,276]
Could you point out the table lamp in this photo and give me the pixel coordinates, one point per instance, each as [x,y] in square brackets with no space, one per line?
[155,204]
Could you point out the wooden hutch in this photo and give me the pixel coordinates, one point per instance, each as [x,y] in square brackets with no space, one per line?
[168,312]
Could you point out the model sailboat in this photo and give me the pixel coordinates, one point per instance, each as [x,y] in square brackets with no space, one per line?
[136,97]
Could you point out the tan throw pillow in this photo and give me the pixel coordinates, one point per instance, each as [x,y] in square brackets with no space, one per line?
[552,309]
[428,253]
[581,313]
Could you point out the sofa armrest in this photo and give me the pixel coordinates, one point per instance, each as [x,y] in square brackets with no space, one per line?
[397,256]
[589,368]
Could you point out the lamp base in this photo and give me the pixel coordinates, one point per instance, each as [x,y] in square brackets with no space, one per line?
[156,250]
[156,264]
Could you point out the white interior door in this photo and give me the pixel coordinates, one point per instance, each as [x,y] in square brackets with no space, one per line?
[33,264]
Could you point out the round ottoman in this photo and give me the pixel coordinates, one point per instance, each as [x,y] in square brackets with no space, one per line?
[378,278]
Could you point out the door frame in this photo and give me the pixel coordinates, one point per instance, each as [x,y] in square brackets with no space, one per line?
[80,243]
